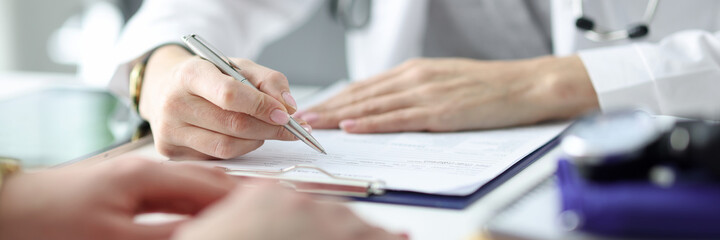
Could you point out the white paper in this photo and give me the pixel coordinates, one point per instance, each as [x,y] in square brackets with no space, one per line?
[437,163]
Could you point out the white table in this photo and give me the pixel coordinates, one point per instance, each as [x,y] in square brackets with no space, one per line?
[421,223]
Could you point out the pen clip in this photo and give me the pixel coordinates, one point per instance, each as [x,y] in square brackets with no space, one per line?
[337,186]
[212,50]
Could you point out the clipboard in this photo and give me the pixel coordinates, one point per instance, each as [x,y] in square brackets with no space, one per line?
[333,185]
[374,190]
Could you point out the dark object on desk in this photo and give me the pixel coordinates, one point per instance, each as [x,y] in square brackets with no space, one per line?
[53,126]
[635,145]
[637,208]
[630,174]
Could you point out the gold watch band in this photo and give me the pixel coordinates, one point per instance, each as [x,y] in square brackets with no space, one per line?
[8,167]
[136,79]
[137,74]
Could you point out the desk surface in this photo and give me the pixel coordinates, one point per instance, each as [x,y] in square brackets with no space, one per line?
[420,222]
[424,223]
[431,223]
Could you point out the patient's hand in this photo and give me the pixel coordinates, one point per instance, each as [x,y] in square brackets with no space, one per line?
[101,201]
[448,94]
[270,213]
[196,111]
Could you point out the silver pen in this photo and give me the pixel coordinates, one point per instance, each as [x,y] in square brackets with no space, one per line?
[206,51]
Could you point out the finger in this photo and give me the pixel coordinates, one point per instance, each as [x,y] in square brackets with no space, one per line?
[268,81]
[184,205]
[202,171]
[184,188]
[380,84]
[404,120]
[262,195]
[382,234]
[206,81]
[150,231]
[173,206]
[304,124]
[149,183]
[174,152]
[370,107]
[348,225]
[351,96]
[206,115]
[212,143]
[398,84]
[392,73]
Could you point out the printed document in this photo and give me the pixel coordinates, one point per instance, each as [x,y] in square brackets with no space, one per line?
[455,163]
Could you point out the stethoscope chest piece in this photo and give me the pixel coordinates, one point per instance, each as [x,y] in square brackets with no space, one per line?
[592,31]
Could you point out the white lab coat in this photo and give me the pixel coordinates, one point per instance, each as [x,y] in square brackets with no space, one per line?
[674,71]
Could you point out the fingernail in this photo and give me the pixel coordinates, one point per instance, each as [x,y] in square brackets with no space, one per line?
[405,236]
[310,117]
[347,123]
[306,127]
[279,117]
[289,100]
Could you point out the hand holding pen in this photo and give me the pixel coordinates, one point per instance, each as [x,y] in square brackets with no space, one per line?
[203,49]
[197,112]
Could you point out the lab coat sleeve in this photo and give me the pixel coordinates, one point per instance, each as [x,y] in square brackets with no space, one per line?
[679,76]
[239,28]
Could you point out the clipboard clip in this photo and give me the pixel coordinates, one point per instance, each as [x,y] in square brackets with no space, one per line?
[334,185]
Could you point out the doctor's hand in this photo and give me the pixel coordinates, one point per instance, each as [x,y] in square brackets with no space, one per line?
[196,111]
[271,213]
[449,94]
[102,200]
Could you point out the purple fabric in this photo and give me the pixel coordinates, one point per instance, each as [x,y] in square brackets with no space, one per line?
[641,209]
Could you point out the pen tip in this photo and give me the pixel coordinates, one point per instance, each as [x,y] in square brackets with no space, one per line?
[320,149]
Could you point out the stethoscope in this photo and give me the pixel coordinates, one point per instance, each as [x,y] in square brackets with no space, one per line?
[595,33]
[354,14]
[351,14]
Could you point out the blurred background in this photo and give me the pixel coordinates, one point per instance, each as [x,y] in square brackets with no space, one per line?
[77,36]
[55,61]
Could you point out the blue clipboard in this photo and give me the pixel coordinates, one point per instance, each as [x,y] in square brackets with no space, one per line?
[459,202]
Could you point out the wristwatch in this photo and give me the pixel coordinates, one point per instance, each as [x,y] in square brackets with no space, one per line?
[136,79]
[137,74]
[8,167]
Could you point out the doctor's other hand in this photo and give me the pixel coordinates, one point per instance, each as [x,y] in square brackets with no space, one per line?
[453,94]
[196,111]
[102,200]
[272,213]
